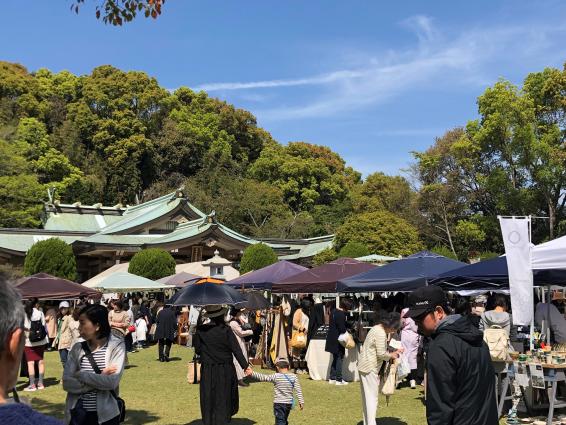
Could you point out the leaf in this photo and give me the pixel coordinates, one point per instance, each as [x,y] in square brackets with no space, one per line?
[98,14]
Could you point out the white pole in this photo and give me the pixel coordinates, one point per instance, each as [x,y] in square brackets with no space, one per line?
[532,330]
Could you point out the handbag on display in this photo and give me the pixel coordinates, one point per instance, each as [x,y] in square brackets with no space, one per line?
[298,340]
[346,340]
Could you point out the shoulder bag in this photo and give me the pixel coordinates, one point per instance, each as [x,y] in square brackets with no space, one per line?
[120,401]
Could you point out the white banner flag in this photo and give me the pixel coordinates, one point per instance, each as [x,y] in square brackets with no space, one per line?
[517,241]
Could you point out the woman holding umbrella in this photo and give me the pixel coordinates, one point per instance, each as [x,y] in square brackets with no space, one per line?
[216,344]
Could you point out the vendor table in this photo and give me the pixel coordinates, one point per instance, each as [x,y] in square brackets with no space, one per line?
[553,374]
[319,362]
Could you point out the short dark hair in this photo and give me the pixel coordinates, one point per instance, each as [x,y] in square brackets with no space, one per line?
[119,304]
[462,306]
[346,304]
[98,315]
[500,300]
[390,320]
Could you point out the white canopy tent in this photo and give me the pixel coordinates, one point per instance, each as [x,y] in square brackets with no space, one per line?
[550,255]
[127,282]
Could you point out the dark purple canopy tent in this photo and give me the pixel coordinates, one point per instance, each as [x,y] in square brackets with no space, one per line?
[265,278]
[47,287]
[321,279]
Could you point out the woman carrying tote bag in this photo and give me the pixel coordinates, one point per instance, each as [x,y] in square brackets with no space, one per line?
[372,357]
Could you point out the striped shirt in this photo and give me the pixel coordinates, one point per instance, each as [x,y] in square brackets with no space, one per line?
[89,398]
[284,383]
[374,351]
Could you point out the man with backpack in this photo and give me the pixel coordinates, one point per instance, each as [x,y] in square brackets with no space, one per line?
[460,374]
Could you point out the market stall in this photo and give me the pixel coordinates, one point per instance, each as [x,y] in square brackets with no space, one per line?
[321,279]
[46,287]
[265,277]
[179,280]
[319,361]
[127,282]
[404,275]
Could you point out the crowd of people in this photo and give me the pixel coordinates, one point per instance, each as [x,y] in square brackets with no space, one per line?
[437,334]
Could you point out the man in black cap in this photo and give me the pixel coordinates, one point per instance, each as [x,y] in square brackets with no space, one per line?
[460,375]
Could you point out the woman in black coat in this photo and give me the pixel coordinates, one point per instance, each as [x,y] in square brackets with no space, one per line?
[215,343]
[165,331]
[337,327]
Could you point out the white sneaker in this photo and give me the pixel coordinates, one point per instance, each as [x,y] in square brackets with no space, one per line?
[332,381]
[413,384]
[341,383]
[30,388]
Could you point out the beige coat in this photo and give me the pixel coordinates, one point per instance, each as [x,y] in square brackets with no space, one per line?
[51,322]
[240,335]
[64,340]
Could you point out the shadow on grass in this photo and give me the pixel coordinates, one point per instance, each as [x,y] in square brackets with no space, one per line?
[387,421]
[175,359]
[235,421]
[57,410]
[47,382]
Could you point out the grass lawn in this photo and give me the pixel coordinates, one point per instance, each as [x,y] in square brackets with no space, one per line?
[157,393]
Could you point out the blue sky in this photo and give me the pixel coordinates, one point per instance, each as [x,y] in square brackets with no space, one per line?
[373,80]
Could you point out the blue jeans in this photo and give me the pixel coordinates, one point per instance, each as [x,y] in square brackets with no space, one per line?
[281,412]
[336,367]
[63,355]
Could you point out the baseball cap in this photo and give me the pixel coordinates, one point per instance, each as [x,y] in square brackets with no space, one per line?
[424,300]
[64,304]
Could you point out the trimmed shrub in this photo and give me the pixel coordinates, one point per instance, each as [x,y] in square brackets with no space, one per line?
[51,256]
[256,257]
[353,250]
[152,263]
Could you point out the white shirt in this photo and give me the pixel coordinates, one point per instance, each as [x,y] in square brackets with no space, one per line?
[193,315]
[35,315]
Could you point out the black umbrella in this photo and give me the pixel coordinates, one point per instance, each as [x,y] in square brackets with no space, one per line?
[256,301]
[209,291]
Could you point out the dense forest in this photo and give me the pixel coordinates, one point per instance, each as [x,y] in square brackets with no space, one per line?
[117,136]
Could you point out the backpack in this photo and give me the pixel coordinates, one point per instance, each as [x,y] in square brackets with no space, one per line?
[37,331]
[497,341]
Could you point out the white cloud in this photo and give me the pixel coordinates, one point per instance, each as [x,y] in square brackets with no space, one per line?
[435,61]
[320,79]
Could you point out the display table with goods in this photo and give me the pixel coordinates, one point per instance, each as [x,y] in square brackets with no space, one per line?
[319,361]
[541,369]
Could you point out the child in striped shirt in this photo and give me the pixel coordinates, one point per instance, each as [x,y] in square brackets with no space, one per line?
[285,385]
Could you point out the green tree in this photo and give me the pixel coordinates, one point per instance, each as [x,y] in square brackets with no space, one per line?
[257,256]
[20,197]
[33,134]
[325,256]
[469,238]
[52,256]
[382,192]
[307,174]
[444,251]
[118,12]
[354,249]
[382,232]
[152,263]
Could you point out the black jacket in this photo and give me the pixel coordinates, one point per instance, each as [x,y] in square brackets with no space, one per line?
[166,324]
[336,327]
[216,344]
[461,378]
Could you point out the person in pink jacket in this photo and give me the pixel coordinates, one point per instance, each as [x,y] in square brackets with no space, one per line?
[410,340]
